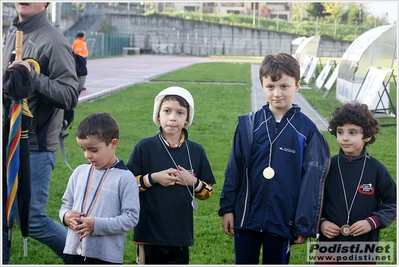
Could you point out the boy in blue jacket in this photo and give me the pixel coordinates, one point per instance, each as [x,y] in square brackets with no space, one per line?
[274,179]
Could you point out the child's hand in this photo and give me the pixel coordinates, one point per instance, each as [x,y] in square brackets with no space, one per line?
[70,218]
[85,227]
[228,223]
[187,176]
[360,228]
[300,239]
[165,178]
[330,229]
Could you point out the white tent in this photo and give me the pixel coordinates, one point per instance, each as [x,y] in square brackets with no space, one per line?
[374,48]
[308,47]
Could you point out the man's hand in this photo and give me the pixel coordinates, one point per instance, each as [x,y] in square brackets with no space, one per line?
[20,62]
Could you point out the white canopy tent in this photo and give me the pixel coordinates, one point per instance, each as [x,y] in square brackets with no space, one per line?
[308,47]
[374,48]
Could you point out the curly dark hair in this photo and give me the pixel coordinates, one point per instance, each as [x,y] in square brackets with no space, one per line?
[358,114]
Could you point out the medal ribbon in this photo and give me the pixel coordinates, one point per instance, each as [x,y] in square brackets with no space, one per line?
[348,210]
[268,135]
[98,189]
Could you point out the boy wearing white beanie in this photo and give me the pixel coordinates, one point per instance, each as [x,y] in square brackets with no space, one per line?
[171,172]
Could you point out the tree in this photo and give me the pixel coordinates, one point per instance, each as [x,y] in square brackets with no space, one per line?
[333,11]
[352,14]
[299,11]
[107,27]
[316,9]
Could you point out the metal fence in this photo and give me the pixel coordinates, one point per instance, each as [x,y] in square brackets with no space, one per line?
[103,44]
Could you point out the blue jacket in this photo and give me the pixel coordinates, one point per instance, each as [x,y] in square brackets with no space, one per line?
[289,203]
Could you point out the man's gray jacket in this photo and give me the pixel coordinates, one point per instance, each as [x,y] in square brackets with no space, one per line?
[56,87]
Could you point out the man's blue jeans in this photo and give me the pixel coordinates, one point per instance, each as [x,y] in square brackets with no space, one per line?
[41,227]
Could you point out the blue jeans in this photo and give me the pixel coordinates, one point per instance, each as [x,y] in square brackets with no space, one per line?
[41,227]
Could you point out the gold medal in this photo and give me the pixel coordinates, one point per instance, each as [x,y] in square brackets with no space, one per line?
[345,229]
[79,250]
[268,173]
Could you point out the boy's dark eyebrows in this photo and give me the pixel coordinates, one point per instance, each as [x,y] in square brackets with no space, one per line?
[91,147]
[167,107]
[352,129]
[356,129]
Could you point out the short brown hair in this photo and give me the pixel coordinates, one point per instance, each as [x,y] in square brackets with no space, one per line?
[275,65]
[101,124]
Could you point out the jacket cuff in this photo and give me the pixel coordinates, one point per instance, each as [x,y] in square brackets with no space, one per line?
[373,222]
[321,221]
[198,185]
[146,181]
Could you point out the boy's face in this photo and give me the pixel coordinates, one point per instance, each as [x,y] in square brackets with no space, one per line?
[280,93]
[350,139]
[172,117]
[97,152]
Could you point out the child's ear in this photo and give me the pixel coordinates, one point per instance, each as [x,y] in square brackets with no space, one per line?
[114,143]
[367,139]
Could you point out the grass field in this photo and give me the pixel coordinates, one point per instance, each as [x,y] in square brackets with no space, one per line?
[221,92]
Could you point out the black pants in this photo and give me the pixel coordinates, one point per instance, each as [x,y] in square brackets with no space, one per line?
[76,259]
[247,245]
[152,254]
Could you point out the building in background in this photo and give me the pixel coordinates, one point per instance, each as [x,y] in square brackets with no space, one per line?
[194,28]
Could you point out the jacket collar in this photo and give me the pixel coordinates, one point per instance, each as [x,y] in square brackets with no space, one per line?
[347,158]
[118,165]
[295,109]
[32,23]
[184,130]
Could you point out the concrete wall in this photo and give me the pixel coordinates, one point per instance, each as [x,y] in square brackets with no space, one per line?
[181,36]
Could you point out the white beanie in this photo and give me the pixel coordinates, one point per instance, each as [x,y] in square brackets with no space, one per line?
[174,90]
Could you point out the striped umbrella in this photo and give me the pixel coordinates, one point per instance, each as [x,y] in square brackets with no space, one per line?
[13,159]
[17,167]
[17,86]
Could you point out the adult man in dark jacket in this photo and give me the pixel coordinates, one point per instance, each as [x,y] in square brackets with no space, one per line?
[55,90]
